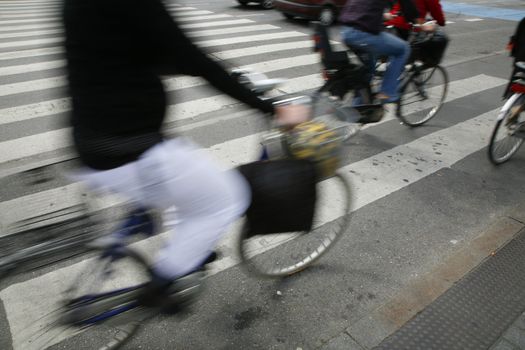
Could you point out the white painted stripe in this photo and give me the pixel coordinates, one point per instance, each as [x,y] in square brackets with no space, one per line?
[205,43]
[215,24]
[32,145]
[172,83]
[262,49]
[178,8]
[474,19]
[35,144]
[242,29]
[32,85]
[9,4]
[377,177]
[33,42]
[449,22]
[30,9]
[209,32]
[34,110]
[13,29]
[202,18]
[249,39]
[31,53]
[39,14]
[32,67]
[194,13]
[31,33]
[20,21]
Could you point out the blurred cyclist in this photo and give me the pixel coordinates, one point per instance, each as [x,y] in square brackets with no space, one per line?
[116,53]
[364,29]
[516,47]
[396,18]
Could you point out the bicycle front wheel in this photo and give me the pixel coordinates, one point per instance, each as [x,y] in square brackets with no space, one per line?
[283,254]
[422,95]
[505,139]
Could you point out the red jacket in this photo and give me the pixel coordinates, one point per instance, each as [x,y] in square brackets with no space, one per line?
[424,7]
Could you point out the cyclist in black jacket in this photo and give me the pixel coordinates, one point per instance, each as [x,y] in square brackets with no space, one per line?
[117,51]
[363,20]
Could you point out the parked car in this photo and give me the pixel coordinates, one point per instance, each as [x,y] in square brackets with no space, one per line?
[267,4]
[325,11]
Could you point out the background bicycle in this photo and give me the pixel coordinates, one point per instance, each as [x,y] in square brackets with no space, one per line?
[509,130]
[423,87]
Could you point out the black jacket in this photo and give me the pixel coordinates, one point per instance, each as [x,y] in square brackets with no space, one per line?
[117,51]
[367,15]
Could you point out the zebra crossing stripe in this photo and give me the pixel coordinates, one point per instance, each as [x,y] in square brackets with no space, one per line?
[33,145]
[21,21]
[40,14]
[33,67]
[15,28]
[262,49]
[241,29]
[171,83]
[249,39]
[33,33]
[31,53]
[203,18]
[33,42]
[375,178]
[216,23]
[32,85]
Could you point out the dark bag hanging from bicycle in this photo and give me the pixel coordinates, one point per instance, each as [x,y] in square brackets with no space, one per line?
[429,48]
[283,195]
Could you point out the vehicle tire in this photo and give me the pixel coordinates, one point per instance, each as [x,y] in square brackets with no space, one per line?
[243,2]
[503,142]
[283,254]
[267,4]
[327,15]
[422,96]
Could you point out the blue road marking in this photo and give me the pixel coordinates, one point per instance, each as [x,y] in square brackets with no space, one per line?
[483,11]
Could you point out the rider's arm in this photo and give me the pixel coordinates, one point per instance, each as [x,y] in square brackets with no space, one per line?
[171,52]
[409,10]
[434,7]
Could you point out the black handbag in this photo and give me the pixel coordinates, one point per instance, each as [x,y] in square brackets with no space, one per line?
[283,195]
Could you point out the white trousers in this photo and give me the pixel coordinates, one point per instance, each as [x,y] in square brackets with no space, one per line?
[176,173]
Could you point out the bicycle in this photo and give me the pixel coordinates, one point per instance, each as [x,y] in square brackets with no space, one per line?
[509,131]
[105,292]
[423,85]
[57,234]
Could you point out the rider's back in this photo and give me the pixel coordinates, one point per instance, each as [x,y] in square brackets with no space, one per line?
[118,99]
[116,53]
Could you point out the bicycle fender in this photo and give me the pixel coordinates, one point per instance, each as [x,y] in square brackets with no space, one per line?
[507,105]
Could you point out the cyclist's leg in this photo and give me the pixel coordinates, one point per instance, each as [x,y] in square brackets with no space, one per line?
[356,38]
[398,52]
[177,174]
[207,200]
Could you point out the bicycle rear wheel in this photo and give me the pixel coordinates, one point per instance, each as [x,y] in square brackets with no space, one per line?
[505,141]
[103,296]
[422,95]
[283,254]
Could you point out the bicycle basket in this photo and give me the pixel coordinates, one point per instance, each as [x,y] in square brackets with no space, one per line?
[316,142]
[429,48]
[283,195]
